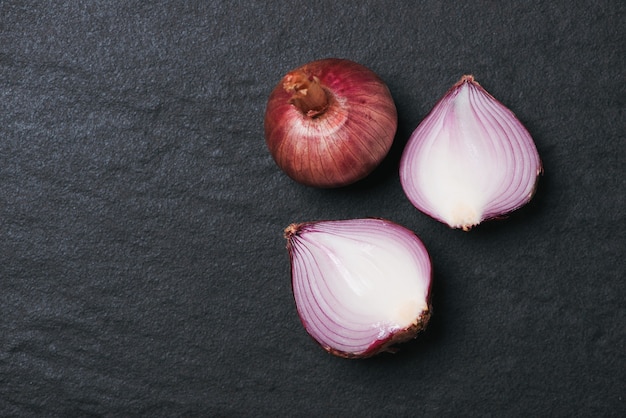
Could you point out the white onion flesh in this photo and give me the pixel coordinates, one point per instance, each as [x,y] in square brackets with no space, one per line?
[361,285]
[470,159]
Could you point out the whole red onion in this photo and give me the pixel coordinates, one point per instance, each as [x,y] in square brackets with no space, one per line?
[330,122]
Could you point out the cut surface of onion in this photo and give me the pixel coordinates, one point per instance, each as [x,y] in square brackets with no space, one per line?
[470,159]
[360,286]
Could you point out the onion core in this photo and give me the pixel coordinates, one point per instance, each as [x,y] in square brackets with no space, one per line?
[360,286]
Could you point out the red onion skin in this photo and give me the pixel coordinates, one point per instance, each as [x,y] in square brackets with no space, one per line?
[340,143]
[388,344]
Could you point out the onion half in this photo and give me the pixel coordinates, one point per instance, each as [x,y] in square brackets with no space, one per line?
[470,159]
[360,286]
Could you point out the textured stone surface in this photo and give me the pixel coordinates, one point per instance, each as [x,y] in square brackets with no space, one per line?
[142,264]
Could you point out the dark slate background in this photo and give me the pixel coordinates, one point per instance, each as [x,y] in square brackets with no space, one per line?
[142,266]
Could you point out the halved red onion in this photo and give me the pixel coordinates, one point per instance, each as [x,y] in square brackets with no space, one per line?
[360,286]
[470,159]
